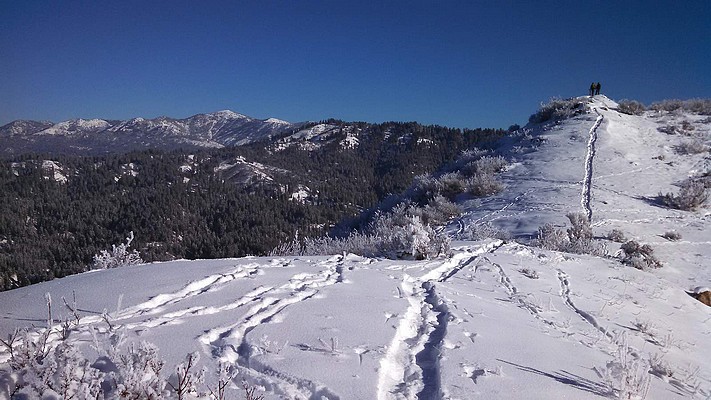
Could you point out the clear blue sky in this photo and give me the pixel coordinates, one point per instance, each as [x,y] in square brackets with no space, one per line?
[460,64]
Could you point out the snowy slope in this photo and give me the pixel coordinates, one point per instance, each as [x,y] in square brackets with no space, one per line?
[493,321]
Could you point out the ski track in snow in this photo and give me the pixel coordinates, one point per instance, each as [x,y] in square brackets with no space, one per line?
[587,181]
[230,343]
[410,368]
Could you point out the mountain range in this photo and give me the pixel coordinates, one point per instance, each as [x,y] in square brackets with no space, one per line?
[96,136]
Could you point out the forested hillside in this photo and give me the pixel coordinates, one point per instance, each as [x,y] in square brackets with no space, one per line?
[56,212]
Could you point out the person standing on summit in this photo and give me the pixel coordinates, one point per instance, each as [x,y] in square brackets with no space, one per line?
[597,88]
[592,89]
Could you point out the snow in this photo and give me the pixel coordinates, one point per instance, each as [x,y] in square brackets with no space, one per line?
[276,121]
[56,171]
[244,171]
[493,321]
[76,126]
[228,114]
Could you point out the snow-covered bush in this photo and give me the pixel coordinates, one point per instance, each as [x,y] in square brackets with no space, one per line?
[557,109]
[632,107]
[403,235]
[616,235]
[39,371]
[485,165]
[551,238]
[136,372]
[672,235]
[483,231]
[184,381]
[476,177]
[639,256]
[667,105]
[691,147]
[397,234]
[438,211]
[424,187]
[696,106]
[450,185]
[481,185]
[691,196]
[577,239]
[626,376]
[119,256]
[669,129]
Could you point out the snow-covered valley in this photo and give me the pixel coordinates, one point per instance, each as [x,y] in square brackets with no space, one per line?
[493,320]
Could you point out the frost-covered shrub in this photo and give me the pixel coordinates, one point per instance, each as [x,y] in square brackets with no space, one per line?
[669,129]
[397,234]
[404,235]
[483,231]
[486,165]
[631,107]
[616,235]
[667,105]
[450,185]
[576,239]
[687,126]
[438,211]
[696,106]
[184,380]
[691,147]
[672,235]
[580,236]
[551,238]
[691,196]
[119,256]
[557,109]
[424,188]
[469,156]
[39,371]
[136,372]
[626,376]
[639,256]
[704,179]
[482,185]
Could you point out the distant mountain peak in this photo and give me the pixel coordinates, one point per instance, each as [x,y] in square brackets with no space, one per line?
[229,114]
[276,121]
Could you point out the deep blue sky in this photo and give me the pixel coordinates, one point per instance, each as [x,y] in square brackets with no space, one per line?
[461,64]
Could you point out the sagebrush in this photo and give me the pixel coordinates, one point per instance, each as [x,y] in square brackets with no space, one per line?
[557,109]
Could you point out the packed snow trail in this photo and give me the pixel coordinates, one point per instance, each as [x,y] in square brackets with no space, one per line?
[410,368]
[587,181]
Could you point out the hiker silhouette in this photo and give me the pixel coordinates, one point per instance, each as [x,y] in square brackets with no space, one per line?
[597,88]
[592,89]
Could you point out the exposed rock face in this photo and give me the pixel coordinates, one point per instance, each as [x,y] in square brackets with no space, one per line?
[702,294]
